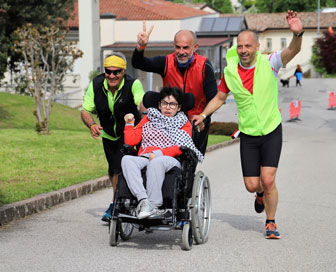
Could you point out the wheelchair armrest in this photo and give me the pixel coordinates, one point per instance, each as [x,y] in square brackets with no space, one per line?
[128,150]
[188,154]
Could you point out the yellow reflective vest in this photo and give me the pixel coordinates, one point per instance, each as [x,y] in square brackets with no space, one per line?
[258,113]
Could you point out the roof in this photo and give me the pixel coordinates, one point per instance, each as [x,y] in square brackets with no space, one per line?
[201,41]
[201,6]
[142,10]
[264,21]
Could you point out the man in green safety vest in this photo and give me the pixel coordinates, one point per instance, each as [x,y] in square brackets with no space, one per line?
[252,78]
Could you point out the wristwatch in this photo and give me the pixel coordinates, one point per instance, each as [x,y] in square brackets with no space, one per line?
[300,34]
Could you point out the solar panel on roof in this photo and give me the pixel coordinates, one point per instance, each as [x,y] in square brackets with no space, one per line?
[220,24]
[235,24]
[207,24]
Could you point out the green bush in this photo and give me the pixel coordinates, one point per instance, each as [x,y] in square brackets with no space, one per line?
[223,128]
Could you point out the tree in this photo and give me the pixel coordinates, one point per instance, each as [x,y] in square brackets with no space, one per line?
[17,13]
[324,53]
[266,6]
[3,44]
[247,3]
[224,6]
[47,57]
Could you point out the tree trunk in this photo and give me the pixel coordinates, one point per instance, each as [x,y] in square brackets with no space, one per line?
[42,127]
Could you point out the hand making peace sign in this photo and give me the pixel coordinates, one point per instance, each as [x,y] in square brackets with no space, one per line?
[143,36]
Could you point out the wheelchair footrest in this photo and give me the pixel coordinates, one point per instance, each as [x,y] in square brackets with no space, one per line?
[163,220]
[122,216]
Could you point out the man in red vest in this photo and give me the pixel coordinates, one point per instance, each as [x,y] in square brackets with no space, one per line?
[185,69]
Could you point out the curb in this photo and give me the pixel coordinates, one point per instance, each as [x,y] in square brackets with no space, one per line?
[21,209]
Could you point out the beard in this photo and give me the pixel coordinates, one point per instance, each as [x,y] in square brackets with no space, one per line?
[184,61]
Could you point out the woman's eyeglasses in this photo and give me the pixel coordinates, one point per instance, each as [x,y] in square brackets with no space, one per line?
[165,104]
[115,72]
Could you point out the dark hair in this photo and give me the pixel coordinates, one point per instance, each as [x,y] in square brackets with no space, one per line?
[298,67]
[173,91]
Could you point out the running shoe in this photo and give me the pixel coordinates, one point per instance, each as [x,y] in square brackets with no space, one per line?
[107,216]
[259,204]
[271,231]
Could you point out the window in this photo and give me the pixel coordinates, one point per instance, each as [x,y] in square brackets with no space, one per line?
[283,43]
[269,44]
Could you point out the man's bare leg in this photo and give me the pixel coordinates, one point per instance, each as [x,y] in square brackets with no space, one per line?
[270,191]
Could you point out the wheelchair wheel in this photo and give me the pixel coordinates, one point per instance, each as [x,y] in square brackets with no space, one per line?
[113,233]
[126,229]
[187,238]
[201,208]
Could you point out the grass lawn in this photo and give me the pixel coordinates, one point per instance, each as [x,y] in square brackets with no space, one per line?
[216,139]
[31,164]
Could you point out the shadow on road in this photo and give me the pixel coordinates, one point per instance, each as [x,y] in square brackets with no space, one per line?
[241,222]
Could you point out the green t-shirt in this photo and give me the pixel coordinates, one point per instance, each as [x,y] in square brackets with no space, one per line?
[89,105]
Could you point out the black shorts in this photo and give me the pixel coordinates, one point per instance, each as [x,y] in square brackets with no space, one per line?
[113,154]
[259,151]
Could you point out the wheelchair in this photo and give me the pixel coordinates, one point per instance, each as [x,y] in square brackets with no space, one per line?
[186,197]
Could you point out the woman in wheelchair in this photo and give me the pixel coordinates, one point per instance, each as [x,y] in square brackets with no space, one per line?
[161,133]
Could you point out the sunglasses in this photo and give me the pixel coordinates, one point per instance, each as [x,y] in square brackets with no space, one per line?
[115,72]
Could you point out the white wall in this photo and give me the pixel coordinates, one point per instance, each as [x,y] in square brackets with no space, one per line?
[302,58]
[89,39]
[107,31]
[127,31]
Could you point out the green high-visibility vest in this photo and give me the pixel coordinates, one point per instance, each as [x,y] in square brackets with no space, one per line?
[258,113]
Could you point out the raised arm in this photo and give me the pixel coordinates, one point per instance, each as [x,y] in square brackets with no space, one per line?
[294,47]
[139,61]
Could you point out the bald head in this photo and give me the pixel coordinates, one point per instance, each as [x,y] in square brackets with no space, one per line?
[186,35]
[249,33]
[185,45]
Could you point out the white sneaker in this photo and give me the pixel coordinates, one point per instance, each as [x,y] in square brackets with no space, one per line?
[144,209]
[157,213]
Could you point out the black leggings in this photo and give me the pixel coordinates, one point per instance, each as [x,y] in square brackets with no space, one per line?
[259,151]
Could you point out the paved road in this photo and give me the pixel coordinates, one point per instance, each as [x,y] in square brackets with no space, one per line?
[71,237]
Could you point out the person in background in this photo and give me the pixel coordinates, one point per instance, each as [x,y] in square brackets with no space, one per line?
[111,95]
[298,75]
